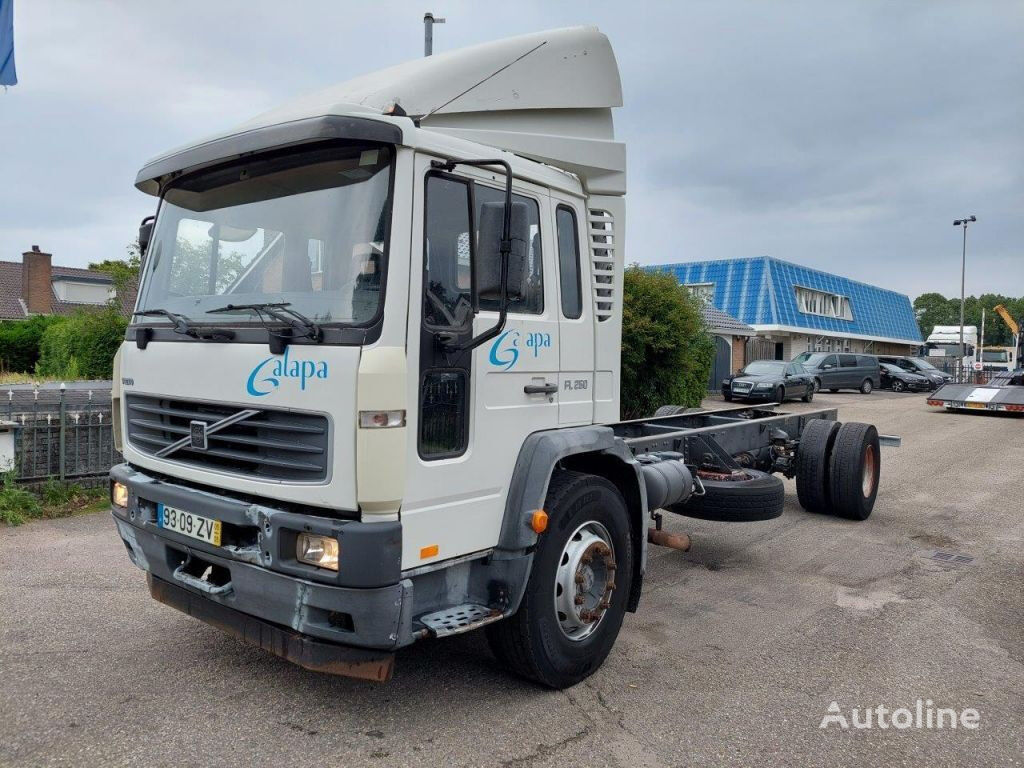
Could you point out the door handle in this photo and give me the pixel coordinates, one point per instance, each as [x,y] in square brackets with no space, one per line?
[540,389]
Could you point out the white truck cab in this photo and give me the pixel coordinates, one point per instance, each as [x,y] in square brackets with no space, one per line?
[370,394]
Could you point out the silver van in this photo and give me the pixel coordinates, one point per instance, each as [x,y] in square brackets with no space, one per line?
[842,370]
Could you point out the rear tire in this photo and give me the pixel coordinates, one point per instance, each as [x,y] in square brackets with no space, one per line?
[812,464]
[833,390]
[761,497]
[866,386]
[854,469]
[809,396]
[535,642]
[674,410]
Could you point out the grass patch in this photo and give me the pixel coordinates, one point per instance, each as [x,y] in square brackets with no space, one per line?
[54,499]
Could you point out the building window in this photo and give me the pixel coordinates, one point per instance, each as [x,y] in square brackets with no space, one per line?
[812,302]
[703,292]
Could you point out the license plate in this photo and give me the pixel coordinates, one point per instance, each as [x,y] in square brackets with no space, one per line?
[977,405]
[188,524]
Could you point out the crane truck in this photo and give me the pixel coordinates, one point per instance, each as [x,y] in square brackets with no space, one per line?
[370,393]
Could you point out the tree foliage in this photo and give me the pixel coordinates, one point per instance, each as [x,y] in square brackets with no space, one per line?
[124,272]
[666,349]
[19,342]
[934,309]
[83,345]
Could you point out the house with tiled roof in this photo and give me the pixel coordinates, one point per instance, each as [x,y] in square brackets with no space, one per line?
[797,309]
[36,287]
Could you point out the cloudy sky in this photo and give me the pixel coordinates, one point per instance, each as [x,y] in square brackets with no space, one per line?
[844,136]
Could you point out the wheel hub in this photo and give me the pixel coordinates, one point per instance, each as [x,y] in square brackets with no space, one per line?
[584,581]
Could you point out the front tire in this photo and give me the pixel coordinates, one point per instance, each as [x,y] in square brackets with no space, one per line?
[780,395]
[898,386]
[575,600]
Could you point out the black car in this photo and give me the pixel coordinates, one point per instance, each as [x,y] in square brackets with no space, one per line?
[919,366]
[770,380]
[899,380]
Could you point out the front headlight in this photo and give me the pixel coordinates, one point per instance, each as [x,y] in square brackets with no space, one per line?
[119,495]
[321,551]
[763,386]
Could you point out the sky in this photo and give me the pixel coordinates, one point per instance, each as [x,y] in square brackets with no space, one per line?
[845,136]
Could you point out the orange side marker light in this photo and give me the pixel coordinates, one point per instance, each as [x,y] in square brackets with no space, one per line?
[539,521]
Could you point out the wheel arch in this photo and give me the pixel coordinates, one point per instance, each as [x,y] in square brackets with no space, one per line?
[594,450]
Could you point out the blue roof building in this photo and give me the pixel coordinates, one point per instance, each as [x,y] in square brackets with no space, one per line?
[801,309]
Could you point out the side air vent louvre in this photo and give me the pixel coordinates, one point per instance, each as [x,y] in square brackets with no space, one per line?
[270,444]
[602,242]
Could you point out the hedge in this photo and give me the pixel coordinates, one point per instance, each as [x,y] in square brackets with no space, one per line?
[19,342]
[83,346]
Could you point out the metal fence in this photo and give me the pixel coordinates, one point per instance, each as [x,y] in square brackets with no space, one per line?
[960,373]
[60,433]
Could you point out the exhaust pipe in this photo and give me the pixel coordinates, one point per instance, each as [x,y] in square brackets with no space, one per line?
[678,541]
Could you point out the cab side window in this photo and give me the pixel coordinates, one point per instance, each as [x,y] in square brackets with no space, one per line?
[447,278]
[830,362]
[569,262]
[848,361]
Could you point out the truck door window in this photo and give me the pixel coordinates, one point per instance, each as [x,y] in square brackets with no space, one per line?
[532,301]
[569,262]
[447,272]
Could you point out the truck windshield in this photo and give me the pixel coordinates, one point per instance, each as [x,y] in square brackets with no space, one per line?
[994,356]
[305,228]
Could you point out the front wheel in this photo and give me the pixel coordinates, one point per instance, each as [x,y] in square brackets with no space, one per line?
[575,600]
[780,395]
[898,386]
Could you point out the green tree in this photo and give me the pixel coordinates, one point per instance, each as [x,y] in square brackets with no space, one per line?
[666,349]
[933,309]
[124,272]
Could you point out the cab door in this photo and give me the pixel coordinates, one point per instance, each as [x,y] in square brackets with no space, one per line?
[473,409]
[575,324]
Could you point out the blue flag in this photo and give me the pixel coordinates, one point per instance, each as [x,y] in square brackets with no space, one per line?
[8,76]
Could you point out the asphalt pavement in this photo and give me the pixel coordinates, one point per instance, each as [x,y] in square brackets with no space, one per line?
[735,656]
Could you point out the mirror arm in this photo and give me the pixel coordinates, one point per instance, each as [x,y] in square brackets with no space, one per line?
[505,249]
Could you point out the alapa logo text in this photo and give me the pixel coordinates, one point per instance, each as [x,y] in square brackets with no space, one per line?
[269,374]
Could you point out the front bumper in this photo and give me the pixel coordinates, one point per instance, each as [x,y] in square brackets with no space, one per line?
[365,605]
[751,394]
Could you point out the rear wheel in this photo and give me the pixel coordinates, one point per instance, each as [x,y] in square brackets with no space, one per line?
[575,600]
[833,390]
[809,396]
[812,463]
[854,469]
[866,386]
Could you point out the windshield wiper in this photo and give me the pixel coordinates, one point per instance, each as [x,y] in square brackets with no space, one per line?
[299,326]
[181,323]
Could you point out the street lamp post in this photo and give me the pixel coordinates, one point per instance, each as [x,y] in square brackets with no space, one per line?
[963,273]
[429,20]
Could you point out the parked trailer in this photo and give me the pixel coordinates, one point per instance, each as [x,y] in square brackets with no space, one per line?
[403,299]
[1004,392]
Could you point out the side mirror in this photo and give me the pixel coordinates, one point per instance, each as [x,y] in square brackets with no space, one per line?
[825,367]
[145,234]
[488,251]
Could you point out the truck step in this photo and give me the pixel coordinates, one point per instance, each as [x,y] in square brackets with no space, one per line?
[459,619]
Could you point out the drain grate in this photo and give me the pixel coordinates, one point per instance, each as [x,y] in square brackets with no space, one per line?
[955,559]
